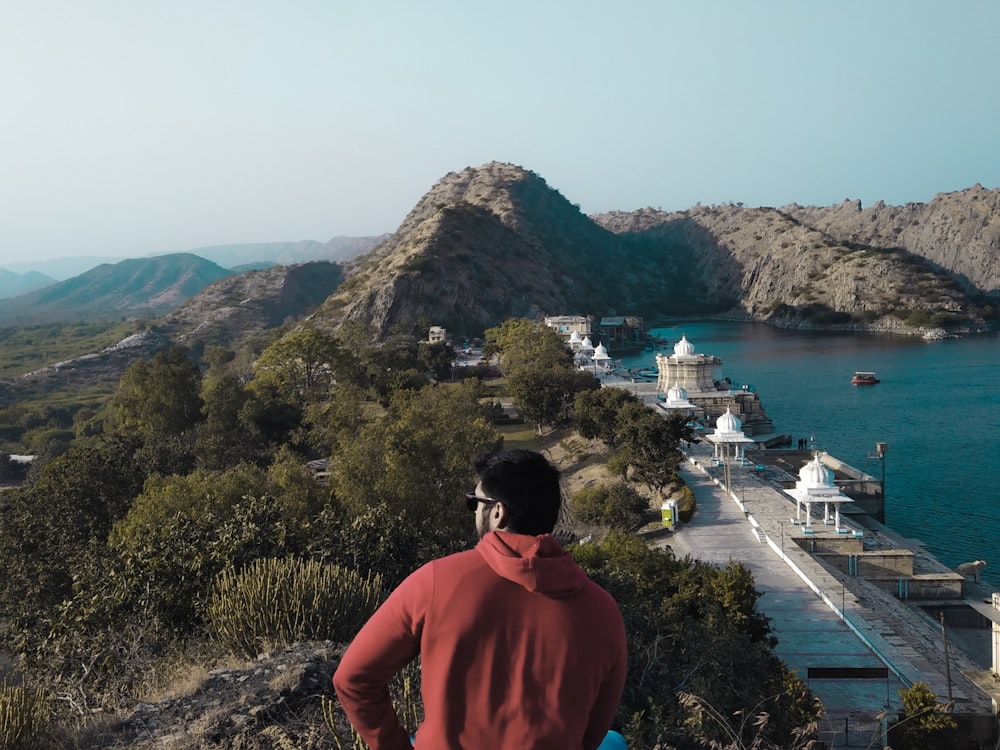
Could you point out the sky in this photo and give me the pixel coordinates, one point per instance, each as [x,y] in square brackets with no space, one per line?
[137,128]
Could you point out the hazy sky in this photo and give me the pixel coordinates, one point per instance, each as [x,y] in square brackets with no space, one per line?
[129,128]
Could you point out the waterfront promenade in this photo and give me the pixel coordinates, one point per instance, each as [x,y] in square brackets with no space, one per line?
[838,632]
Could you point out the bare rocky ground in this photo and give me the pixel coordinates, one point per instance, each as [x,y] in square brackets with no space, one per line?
[272,703]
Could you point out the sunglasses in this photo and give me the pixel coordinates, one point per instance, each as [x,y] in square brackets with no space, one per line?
[472,501]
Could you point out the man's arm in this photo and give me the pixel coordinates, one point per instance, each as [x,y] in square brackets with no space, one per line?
[386,643]
[602,715]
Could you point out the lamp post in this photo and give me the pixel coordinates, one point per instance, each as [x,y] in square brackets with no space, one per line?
[880,451]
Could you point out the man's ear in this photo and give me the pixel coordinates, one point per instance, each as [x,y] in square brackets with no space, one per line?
[500,516]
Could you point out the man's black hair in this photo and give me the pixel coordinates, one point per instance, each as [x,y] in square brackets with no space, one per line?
[528,486]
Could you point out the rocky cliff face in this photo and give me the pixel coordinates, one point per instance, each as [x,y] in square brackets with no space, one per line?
[778,268]
[958,232]
[494,241]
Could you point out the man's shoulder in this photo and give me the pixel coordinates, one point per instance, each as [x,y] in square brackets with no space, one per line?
[465,559]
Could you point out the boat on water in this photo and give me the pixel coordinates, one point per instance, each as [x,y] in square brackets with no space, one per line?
[864,378]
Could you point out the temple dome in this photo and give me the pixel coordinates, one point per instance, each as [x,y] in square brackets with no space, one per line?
[574,337]
[676,393]
[683,348]
[586,343]
[728,422]
[814,474]
[601,352]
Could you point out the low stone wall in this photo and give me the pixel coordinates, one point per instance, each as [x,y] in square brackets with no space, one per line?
[926,587]
[896,563]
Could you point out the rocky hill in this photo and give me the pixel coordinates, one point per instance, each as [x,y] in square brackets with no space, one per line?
[494,241]
[958,232]
[251,304]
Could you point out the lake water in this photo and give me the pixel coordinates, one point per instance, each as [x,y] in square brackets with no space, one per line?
[937,407]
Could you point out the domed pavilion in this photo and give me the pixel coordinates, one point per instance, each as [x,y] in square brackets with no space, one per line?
[815,485]
[728,440]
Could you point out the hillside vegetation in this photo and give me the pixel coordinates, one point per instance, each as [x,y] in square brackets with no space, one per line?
[179,532]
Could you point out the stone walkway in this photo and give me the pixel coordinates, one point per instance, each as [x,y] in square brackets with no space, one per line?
[822,618]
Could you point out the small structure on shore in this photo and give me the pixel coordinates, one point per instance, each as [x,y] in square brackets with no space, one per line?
[601,358]
[676,402]
[816,485]
[729,432]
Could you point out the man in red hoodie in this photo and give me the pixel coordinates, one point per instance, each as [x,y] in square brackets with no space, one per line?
[519,649]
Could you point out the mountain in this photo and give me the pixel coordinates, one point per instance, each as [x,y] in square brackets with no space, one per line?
[61,269]
[249,305]
[958,232]
[494,241]
[239,312]
[338,249]
[485,244]
[14,284]
[137,287]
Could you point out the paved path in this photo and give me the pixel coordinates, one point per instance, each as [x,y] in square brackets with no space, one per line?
[805,600]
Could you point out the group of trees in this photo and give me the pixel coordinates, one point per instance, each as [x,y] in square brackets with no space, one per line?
[111,548]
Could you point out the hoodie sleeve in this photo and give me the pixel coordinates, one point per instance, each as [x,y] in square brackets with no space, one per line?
[386,643]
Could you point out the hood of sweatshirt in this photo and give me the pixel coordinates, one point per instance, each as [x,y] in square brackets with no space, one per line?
[538,563]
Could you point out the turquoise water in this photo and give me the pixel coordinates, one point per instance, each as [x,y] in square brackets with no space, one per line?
[936,407]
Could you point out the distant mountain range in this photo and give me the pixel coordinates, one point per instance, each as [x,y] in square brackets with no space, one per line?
[26,276]
[13,284]
[496,241]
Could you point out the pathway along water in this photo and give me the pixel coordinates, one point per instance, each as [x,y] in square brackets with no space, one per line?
[936,407]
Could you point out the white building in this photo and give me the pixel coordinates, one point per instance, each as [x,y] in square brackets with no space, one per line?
[728,439]
[816,485]
[567,325]
[696,373]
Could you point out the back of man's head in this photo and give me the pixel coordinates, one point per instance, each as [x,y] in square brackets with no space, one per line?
[528,486]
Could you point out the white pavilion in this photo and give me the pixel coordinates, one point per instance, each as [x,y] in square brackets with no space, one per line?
[815,485]
[676,402]
[602,360]
[728,439]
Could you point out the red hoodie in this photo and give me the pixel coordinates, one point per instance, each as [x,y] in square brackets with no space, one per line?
[519,651]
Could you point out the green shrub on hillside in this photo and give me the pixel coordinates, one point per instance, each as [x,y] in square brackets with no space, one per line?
[274,602]
[617,506]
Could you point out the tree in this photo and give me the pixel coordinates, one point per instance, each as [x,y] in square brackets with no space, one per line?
[526,344]
[617,506]
[159,398]
[648,445]
[923,717]
[436,358]
[595,413]
[694,628]
[417,459]
[225,438]
[338,420]
[300,365]
[50,523]
[543,395]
